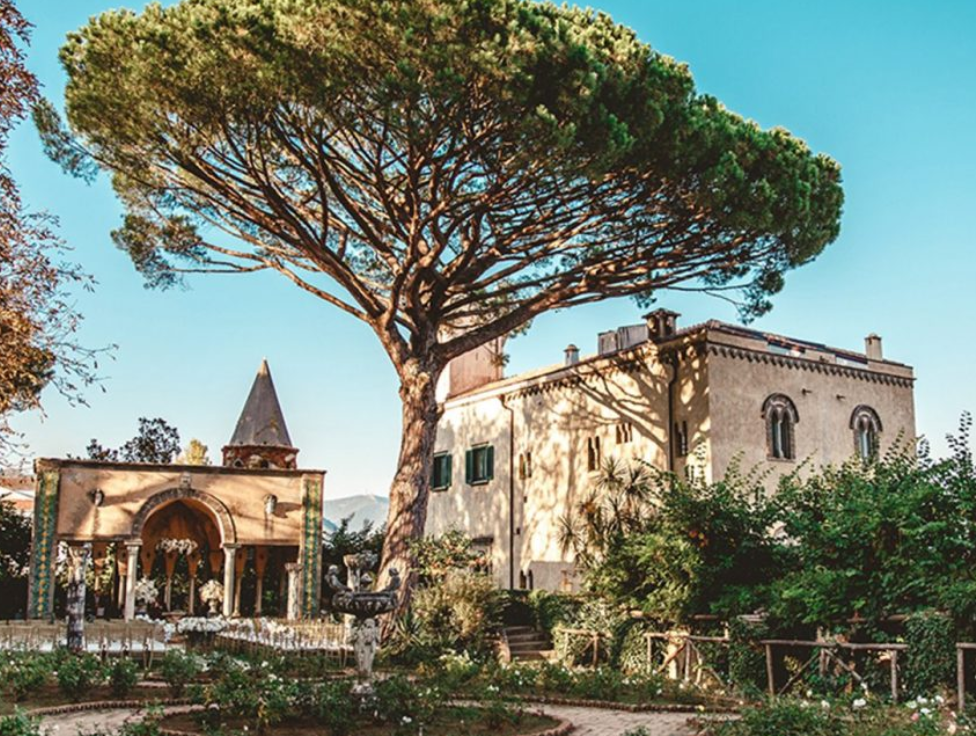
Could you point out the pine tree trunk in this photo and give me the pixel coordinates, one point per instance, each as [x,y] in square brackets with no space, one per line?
[411,484]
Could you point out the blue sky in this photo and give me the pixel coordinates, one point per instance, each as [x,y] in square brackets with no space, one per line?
[886,87]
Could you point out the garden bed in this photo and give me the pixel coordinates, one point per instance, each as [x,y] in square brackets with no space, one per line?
[446,722]
[50,696]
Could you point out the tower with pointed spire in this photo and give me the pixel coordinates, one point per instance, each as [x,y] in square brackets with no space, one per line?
[261,438]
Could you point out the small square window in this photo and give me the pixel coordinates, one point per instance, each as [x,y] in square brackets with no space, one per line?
[442,471]
[479,465]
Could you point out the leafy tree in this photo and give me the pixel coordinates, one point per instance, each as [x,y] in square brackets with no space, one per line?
[443,171]
[437,556]
[15,541]
[156,442]
[347,541]
[37,319]
[676,547]
[194,454]
[891,537]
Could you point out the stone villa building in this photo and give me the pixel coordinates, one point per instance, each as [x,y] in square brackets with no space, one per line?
[514,455]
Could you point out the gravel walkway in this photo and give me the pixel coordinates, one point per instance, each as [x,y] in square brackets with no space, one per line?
[601,722]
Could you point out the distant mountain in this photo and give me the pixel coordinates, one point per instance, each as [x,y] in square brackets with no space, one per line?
[362,509]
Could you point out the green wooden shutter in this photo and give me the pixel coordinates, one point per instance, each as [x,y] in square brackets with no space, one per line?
[449,469]
[469,466]
[490,462]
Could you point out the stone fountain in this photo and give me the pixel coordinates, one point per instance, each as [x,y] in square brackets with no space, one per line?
[357,599]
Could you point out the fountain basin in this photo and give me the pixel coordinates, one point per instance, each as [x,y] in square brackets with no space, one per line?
[363,604]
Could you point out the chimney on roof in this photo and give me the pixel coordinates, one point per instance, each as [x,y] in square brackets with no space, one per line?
[872,347]
[572,354]
[661,324]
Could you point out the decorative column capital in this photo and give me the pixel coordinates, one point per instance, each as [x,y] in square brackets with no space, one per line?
[231,546]
[293,567]
[133,544]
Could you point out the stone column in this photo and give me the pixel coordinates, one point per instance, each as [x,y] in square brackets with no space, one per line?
[131,577]
[294,570]
[77,567]
[192,565]
[230,555]
[121,574]
[239,564]
[260,565]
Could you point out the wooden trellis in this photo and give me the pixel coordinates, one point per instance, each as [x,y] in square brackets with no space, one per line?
[685,657]
[825,654]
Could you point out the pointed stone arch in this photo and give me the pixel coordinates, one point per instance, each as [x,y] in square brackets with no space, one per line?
[222,516]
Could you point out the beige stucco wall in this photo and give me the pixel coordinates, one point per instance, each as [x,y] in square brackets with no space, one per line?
[127,489]
[481,511]
[553,421]
[825,395]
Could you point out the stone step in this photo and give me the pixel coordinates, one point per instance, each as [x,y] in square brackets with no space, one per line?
[536,646]
[536,655]
[520,630]
[528,636]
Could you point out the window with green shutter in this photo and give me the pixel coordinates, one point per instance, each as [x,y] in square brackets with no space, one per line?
[479,465]
[442,472]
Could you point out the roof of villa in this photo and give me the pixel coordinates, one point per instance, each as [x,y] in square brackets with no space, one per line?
[764,341]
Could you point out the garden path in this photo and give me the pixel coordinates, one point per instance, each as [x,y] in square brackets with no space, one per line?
[602,722]
[85,722]
[588,721]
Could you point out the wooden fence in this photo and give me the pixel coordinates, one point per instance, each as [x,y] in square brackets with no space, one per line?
[691,658]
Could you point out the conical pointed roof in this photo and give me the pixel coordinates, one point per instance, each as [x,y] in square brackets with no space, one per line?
[262,422]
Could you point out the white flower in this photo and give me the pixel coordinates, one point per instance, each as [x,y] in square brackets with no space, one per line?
[406,720]
[860,703]
[146,592]
[825,705]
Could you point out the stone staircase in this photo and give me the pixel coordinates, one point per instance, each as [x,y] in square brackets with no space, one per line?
[525,643]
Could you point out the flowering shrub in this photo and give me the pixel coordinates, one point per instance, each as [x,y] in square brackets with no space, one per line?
[77,674]
[24,673]
[453,671]
[459,612]
[19,724]
[406,706]
[257,695]
[333,706]
[123,674]
[860,716]
[178,669]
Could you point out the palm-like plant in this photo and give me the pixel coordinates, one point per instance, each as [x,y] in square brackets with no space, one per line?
[619,503]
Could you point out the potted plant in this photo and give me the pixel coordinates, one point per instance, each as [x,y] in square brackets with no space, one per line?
[146,595]
[212,594]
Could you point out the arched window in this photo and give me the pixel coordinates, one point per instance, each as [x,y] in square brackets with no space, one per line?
[781,419]
[866,426]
